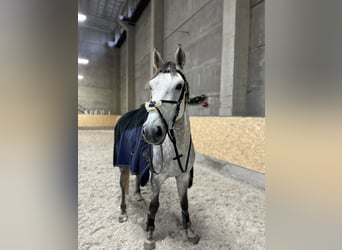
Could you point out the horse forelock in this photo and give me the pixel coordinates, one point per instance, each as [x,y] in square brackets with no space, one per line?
[168,67]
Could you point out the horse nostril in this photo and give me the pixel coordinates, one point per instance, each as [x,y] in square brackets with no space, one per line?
[159,131]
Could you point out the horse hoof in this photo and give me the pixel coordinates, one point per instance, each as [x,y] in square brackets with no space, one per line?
[194,240]
[149,244]
[123,218]
[192,237]
[138,196]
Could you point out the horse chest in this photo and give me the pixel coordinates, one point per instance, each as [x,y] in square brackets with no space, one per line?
[164,161]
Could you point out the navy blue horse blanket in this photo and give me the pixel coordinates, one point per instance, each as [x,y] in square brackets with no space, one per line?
[130,148]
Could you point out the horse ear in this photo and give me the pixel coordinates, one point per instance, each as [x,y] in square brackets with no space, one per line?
[157,60]
[180,56]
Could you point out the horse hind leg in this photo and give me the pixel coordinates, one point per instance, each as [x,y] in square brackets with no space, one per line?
[182,186]
[137,193]
[124,184]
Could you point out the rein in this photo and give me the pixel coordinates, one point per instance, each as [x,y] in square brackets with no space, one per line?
[154,105]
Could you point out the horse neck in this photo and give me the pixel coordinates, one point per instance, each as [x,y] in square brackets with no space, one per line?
[182,128]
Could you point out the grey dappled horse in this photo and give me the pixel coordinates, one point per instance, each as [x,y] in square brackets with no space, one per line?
[167,129]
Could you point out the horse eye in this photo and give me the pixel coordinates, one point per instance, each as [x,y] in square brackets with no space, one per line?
[179,86]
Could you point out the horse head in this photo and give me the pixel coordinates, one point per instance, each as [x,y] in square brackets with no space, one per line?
[169,94]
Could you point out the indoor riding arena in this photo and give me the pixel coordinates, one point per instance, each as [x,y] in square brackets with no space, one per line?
[218,49]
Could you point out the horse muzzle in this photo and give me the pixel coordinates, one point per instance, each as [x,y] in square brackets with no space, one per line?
[154,134]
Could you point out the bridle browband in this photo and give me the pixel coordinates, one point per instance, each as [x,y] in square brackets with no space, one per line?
[154,105]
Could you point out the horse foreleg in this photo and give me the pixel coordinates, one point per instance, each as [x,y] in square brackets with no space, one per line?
[124,184]
[182,186]
[153,208]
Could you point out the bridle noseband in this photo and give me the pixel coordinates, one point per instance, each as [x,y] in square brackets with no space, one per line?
[154,106]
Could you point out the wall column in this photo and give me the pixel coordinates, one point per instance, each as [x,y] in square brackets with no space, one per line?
[115,100]
[157,29]
[130,81]
[234,61]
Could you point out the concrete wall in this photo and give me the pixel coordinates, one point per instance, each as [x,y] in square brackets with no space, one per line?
[197,24]
[142,56]
[256,64]
[123,96]
[234,64]
[98,90]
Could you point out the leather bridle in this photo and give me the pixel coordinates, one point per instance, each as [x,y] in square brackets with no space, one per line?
[154,105]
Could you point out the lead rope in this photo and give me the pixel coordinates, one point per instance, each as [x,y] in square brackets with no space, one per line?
[162,162]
